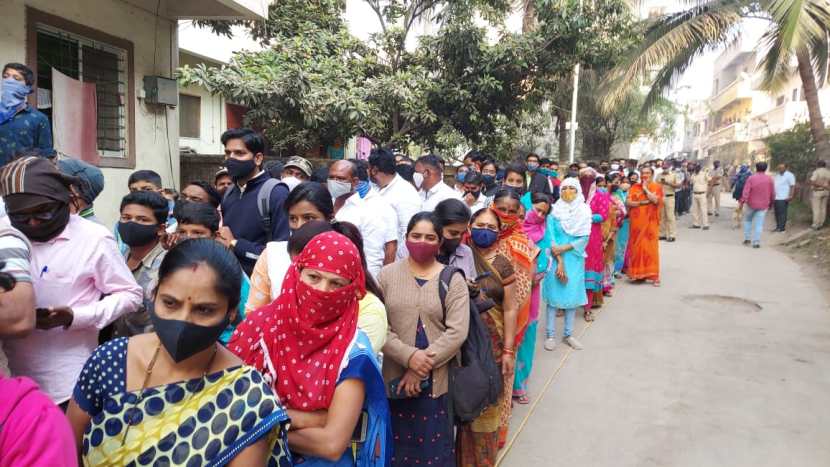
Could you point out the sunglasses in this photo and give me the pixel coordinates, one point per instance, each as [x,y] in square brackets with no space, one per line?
[42,216]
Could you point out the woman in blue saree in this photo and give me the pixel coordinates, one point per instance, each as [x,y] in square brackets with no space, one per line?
[176,396]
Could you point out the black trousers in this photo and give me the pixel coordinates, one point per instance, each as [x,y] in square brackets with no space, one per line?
[781,214]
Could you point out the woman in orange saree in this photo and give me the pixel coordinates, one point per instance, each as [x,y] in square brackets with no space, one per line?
[644,202]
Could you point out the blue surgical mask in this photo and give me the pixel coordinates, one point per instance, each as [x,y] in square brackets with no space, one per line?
[489,180]
[532,166]
[483,238]
[12,98]
[548,172]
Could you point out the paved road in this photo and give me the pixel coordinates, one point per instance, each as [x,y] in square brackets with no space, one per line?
[693,373]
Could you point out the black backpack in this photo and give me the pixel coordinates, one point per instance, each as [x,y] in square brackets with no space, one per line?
[263,203]
[477,383]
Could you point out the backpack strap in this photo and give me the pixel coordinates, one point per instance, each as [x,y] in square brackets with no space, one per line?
[444,279]
[263,204]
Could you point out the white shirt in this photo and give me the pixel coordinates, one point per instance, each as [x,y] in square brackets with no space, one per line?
[482,202]
[783,182]
[404,199]
[377,222]
[436,194]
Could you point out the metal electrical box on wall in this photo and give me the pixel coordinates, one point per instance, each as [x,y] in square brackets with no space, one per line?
[159,90]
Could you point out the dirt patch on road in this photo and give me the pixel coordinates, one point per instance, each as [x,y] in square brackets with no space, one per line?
[811,250]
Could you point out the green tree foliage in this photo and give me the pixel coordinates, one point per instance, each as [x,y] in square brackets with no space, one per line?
[795,148]
[315,83]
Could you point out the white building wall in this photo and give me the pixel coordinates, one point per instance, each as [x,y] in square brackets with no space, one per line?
[213,122]
[156,129]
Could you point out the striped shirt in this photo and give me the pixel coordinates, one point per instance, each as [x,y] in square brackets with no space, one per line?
[15,257]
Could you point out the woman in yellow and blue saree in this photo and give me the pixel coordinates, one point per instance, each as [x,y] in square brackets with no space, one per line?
[176,396]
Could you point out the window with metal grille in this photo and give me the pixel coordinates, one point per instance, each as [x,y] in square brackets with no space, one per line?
[190,116]
[89,61]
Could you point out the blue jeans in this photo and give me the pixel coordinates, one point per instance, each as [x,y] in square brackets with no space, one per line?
[550,322]
[753,224]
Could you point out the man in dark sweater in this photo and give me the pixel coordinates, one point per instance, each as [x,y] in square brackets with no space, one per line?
[244,230]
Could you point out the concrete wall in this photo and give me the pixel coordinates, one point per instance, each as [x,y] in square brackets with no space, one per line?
[156,128]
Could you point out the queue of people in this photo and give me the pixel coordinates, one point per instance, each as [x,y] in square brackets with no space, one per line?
[282,315]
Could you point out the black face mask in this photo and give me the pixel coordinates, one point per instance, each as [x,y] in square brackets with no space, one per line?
[449,246]
[475,194]
[46,230]
[183,339]
[135,234]
[238,169]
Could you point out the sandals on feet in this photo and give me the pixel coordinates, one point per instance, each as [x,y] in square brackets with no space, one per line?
[589,316]
[522,399]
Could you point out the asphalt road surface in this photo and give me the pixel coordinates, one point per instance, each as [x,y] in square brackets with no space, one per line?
[726,364]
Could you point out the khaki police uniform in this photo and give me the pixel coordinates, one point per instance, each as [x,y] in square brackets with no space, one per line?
[700,188]
[818,199]
[714,190]
[668,218]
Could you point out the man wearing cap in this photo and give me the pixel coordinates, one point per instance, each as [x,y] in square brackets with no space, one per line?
[299,168]
[222,181]
[91,184]
[74,263]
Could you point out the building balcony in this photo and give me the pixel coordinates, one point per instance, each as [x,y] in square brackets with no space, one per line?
[735,132]
[206,9]
[739,90]
[778,119]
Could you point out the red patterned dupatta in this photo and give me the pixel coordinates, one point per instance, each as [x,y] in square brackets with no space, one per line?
[306,332]
[516,245]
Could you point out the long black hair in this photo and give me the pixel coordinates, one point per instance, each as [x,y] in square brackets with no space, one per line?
[507,192]
[452,211]
[316,194]
[222,261]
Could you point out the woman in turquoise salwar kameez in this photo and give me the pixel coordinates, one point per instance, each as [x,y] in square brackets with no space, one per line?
[563,288]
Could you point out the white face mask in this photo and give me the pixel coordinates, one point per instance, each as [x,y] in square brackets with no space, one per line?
[292,182]
[338,188]
[418,179]
[615,166]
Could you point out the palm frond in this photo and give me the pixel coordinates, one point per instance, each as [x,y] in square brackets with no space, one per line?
[820,51]
[670,45]
[799,25]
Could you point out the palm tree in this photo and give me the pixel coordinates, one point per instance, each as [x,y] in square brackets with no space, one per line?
[800,32]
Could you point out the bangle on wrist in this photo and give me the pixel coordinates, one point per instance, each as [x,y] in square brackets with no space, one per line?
[509,351]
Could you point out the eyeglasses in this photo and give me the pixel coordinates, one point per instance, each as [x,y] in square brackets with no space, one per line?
[43,216]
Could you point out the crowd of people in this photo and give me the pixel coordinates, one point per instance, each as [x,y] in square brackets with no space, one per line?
[363,313]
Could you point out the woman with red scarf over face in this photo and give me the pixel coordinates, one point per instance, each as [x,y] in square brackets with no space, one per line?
[600,204]
[318,362]
[515,244]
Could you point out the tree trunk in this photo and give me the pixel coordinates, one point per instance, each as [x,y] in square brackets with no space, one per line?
[529,17]
[808,80]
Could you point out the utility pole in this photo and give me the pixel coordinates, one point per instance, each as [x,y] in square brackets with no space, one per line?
[574,97]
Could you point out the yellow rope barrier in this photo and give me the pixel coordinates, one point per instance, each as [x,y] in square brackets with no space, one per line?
[541,395]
